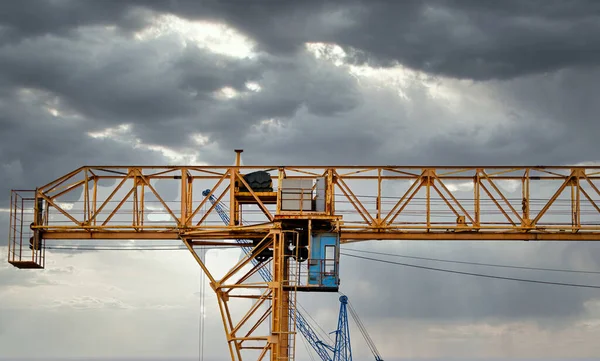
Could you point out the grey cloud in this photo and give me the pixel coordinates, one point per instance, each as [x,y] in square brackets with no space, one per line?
[288,85]
[89,302]
[320,86]
[551,119]
[112,334]
[11,276]
[476,40]
[384,129]
[563,102]
[107,84]
[38,18]
[55,145]
[206,72]
[485,40]
[168,96]
[465,39]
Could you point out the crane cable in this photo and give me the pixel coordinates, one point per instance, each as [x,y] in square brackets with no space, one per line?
[364,332]
[323,334]
[471,273]
[70,248]
[202,307]
[312,357]
[202,257]
[474,263]
[361,257]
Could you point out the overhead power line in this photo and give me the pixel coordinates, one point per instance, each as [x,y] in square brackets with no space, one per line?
[474,263]
[472,274]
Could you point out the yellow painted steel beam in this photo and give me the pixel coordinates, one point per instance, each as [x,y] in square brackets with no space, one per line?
[367,235]
[150,235]
[380,214]
[348,237]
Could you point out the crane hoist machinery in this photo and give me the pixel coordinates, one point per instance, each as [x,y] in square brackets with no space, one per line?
[295,220]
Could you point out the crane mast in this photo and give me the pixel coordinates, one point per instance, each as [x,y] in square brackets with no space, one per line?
[342,350]
[295,220]
[302,324]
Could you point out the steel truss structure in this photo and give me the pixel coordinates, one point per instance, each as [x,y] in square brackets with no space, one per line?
[356,203]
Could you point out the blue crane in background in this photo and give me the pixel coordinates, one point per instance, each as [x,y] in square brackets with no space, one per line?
[341,350]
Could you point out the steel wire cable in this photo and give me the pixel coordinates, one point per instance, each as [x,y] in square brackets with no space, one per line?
[69,248]
[202,307]
[472,273]
[364,332]
[305,343]
[475,263]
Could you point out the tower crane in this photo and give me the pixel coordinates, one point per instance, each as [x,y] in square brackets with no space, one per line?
[342,349]
[297,217]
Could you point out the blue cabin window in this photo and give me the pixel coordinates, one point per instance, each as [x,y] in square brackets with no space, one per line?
[323,264]
[329,260]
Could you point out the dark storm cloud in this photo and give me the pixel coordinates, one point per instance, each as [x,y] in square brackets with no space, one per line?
[476,40]
[564,101]
[34,18]
[556,127]
[551,119]
[479,39]
[36,147]
[126,82]
[168,95]
[466,39]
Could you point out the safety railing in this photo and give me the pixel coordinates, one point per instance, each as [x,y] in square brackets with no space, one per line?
[25,250]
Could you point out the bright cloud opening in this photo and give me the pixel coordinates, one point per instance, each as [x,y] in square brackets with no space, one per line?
[114,132]
[123,134]
[255,87]
[201,139]
[218,38]
[330,52]
[450,92]
[226,93]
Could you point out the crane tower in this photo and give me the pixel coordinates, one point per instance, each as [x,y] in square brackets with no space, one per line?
[295,220]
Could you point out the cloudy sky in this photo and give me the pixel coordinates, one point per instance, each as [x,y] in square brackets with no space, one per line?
[312,82]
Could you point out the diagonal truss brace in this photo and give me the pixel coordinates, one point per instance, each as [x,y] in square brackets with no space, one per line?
[250,332]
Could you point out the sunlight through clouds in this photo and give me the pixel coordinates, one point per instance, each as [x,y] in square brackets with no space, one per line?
[218,38]
[396,77]
[226,93]
[121,130]
[124,134]
[255,87]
